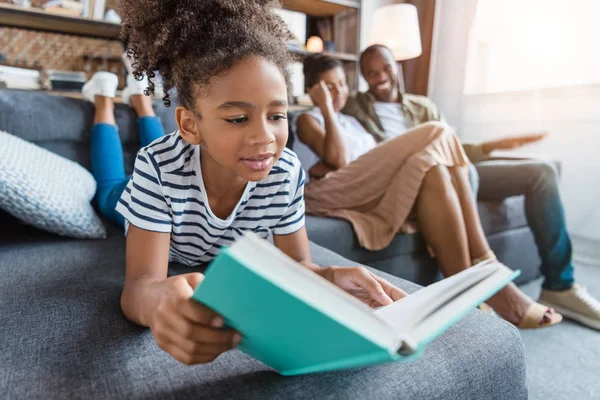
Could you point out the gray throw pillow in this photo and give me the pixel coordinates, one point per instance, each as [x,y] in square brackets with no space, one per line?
[46,190]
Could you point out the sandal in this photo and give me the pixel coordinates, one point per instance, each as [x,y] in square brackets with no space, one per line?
[486,308]
[487,256]
[535,313]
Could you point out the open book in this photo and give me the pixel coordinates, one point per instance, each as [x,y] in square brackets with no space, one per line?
[298,322]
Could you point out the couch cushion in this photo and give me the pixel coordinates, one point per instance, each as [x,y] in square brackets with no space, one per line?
[338,235]
[46,190]
[63,336]
[500,216]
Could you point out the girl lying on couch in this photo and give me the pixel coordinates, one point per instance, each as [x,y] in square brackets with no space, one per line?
[226,169]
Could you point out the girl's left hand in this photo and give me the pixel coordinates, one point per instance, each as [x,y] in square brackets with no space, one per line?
[364,285]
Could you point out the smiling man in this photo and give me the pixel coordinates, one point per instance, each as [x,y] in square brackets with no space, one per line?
[386,113]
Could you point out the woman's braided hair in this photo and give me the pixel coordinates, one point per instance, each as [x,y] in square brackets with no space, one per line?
[188,42]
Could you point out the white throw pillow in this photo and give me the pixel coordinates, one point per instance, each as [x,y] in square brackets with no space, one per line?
[46,190]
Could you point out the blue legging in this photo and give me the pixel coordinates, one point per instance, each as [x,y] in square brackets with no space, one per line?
[108,167]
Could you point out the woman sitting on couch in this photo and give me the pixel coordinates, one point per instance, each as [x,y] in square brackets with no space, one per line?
[382,189]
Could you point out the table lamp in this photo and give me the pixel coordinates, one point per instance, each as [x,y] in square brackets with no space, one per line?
[397,27]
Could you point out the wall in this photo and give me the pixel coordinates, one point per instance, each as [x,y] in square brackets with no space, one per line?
[449,56]
[52,50]
[572,116]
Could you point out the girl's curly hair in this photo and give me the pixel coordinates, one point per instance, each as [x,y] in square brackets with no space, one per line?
[189,42]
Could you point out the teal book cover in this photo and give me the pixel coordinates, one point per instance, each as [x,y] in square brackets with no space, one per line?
[277,328]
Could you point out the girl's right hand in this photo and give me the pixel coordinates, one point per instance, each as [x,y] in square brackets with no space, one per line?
[189,331]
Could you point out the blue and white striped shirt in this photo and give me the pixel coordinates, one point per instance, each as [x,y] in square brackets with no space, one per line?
[166,194]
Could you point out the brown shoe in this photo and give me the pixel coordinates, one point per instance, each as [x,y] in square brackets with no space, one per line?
[574,303]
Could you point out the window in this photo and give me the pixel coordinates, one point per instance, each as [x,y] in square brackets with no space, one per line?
[519,45]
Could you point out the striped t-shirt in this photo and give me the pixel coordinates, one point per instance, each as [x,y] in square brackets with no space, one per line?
[166,194]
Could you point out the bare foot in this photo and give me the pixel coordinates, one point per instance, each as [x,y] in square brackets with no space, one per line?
[512,304]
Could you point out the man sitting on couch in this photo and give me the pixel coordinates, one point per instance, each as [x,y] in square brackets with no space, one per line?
[384,109]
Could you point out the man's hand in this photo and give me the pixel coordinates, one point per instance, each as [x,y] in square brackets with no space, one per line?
[364,285]
[189,331]
[321,96]
[512,142]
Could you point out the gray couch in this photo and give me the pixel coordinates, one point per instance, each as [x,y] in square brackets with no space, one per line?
[62,334]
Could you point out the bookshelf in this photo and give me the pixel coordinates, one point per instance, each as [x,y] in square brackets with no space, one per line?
[38,20]
[337,22]
[33,18]
[320,7]
[340,56]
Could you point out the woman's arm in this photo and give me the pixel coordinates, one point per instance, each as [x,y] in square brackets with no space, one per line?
[326,142]
[358,281]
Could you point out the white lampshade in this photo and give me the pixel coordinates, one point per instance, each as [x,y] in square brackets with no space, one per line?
[397,27]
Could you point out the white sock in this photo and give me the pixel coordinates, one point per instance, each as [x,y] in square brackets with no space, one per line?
[101,84]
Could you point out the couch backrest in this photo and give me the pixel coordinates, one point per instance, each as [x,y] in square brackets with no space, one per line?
[63,125]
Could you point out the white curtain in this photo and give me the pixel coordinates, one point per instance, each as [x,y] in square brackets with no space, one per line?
[529,44]
[516,66]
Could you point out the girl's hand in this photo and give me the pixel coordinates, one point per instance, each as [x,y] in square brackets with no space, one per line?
[364,285]
[321,96]
[189,331]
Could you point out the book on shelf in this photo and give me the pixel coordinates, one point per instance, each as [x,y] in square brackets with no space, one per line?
[345,31]
[94,9]
[68,4]
[88,8]
[297,322]
[71,5]
[99,9]
[20,78]
[304,100]
[62,11]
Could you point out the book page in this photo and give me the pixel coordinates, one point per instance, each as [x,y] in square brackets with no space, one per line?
[406,313]
[450,313]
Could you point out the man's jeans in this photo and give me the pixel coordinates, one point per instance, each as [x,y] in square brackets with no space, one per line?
[538,181]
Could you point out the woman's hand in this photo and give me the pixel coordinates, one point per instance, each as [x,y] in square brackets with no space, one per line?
[512,142]
[321,96]
[364,285]
[319,170]
[189,331]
